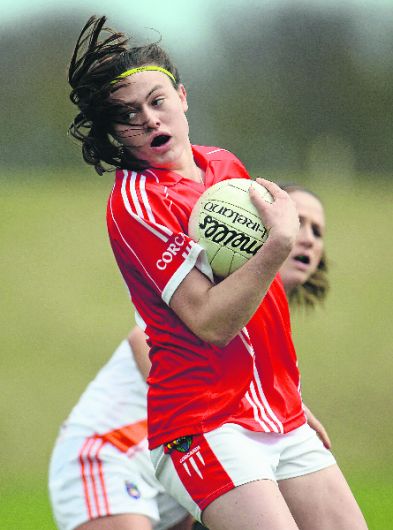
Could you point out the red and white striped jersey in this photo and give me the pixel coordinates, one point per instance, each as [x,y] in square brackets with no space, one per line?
[194,386]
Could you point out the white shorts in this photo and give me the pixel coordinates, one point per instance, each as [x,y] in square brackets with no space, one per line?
[200,468]
[89,480]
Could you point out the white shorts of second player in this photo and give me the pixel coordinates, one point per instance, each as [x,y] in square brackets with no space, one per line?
[89,480]
[198,469]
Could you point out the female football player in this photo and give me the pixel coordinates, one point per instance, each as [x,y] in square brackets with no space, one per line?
[102,445]
[226,424]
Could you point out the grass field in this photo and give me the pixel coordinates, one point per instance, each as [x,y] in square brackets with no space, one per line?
[65,309]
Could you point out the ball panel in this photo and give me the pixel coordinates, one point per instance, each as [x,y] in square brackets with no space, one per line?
[237,262]
[221,264]
[212,250]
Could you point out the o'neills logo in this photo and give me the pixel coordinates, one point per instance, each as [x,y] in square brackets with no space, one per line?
[234,216]
[220,233]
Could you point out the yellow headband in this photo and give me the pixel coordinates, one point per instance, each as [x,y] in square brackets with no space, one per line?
[143,69]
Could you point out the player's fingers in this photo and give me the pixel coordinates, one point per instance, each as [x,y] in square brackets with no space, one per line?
[325,439]
[272,187]
[315,424]
[258,201]
[323,435]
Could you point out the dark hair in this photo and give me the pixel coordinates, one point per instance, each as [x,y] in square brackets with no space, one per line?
[100,55]
[315,289]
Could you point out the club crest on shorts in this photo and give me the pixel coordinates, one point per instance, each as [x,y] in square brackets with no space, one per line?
[192,460]
[132,490]
[181,444]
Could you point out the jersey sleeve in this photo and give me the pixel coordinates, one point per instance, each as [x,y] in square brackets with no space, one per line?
[147,239]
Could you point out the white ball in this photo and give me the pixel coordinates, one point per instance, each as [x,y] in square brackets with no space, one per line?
[227,225]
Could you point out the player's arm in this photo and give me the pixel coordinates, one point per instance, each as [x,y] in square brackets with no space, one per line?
[140,350]
[217,312]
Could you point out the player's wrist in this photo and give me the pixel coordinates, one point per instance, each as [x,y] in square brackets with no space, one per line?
[278,246]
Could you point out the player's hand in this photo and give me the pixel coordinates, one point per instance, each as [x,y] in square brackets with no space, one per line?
[315,424]
[280,218]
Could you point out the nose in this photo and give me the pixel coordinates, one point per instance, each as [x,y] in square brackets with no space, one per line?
[306,235]
[150,119]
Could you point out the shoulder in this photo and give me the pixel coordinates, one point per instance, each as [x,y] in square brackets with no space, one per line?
[214,153]
[137,207]
[222,159]
[133,190]
[129,179]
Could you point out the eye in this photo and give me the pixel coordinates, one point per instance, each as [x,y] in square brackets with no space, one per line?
[129,116]
[316,230]
[157,102]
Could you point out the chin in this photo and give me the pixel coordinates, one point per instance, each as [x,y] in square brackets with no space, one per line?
[294,279]
[166,160]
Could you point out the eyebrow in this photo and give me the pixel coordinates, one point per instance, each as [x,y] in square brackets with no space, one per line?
[317,224]
[133,103]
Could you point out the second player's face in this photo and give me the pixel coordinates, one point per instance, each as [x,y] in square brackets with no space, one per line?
[154,127]
[307,252]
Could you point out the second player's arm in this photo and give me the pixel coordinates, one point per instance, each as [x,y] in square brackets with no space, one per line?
[140,350]
[217,312]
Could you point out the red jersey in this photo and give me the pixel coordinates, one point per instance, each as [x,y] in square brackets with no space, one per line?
[195,386]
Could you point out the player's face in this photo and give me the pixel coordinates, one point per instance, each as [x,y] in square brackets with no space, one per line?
[306,254]
[153,127]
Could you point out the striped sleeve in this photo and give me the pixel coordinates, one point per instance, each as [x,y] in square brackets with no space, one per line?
[146,237]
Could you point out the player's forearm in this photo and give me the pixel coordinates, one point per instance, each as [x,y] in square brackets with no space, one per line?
[216,313]
[232,303]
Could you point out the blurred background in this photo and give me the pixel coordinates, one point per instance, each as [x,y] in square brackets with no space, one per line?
[300,91]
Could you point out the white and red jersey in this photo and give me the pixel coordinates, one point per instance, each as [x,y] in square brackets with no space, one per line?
[112,409]
[100,465]
[194,386]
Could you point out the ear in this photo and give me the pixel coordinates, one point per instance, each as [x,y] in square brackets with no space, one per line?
[181,90]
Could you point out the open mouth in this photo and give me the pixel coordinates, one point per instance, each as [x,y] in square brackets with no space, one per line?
[303,259]
[160,140]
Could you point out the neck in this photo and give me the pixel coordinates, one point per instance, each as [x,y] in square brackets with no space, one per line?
[197,174]
[190,168]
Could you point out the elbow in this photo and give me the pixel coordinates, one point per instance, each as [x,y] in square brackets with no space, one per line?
[221,342]
[216,337]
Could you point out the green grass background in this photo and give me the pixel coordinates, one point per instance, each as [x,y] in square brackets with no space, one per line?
[65,308]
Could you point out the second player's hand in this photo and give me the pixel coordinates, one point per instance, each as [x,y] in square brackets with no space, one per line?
[280,217]
[315,424]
